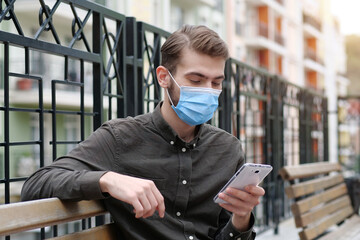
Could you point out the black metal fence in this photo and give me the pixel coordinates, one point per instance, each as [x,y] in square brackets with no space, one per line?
[278,123]
[85,64]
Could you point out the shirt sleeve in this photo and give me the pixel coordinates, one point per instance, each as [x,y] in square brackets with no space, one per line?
[229,232]
[76,175]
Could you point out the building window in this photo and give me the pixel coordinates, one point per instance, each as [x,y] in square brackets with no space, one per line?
[219,5]
[238,28]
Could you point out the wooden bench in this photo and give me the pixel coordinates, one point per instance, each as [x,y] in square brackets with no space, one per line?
[322,206]
[23,216]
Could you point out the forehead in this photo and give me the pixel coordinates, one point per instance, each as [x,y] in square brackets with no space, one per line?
[192,61]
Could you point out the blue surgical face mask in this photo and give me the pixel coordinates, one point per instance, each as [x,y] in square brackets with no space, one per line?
[196,104]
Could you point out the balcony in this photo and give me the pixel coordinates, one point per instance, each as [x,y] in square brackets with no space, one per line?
[258,36]
[307,19]
[279,38]
[311,54]
[263,30]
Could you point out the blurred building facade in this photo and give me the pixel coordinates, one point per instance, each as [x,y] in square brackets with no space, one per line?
[298,40]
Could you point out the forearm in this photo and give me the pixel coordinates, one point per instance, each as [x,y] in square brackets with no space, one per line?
[75,176]
[62,183]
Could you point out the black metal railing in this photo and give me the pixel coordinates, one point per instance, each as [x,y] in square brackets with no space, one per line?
[102,66]
[81,83]
[278,123]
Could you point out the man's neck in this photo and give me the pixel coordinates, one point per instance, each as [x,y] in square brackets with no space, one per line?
[185,132]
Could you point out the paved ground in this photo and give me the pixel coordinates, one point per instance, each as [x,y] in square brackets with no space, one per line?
[287,231]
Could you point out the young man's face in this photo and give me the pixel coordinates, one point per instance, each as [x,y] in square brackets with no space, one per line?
[197,70]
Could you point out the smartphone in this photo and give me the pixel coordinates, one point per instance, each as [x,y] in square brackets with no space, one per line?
[248,174]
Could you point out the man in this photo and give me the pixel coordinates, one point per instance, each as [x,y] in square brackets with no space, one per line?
[158,172]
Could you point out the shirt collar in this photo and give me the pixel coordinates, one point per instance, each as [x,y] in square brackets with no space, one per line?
[168,133]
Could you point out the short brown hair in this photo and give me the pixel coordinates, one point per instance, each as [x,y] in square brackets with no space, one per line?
[198,38]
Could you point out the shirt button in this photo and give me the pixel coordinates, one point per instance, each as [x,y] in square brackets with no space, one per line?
[191,237]
[184,182]
[238,239]
[231,234]
[178,214]
[183,149]
[172,142]
[194,145]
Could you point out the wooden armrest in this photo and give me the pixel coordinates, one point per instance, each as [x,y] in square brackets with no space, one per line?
[22,216]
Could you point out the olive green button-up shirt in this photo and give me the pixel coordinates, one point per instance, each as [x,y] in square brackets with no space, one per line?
[188,175]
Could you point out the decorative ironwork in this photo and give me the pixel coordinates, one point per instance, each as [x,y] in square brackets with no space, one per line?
[46,10]
[113,79]
[8,13]
[82,72]
[150,41]
[79,34]
[47,24]
[245,102]
[271,118]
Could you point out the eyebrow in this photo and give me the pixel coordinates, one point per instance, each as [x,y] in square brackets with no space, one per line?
[203,76]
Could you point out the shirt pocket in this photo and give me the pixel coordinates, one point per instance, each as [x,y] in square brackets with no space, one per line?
[160,183]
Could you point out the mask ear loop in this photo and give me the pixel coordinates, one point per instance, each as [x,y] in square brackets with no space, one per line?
[168,91]
[169,97]
[173,79]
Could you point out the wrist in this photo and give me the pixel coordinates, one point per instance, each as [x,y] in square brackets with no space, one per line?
[241,223]
[104,182]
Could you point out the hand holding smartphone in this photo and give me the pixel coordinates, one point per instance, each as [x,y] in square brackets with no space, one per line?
[248,174]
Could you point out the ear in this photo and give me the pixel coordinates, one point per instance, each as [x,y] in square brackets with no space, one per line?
[163,77]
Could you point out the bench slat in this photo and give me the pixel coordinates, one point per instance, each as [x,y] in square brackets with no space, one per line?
[308,170]
[349,230]
[305,205]
[24,216]
[311,186]
[335,218]
[104,232]
[316,215]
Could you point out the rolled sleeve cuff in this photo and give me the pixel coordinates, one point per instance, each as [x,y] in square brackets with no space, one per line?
[90,186]
[230,232]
